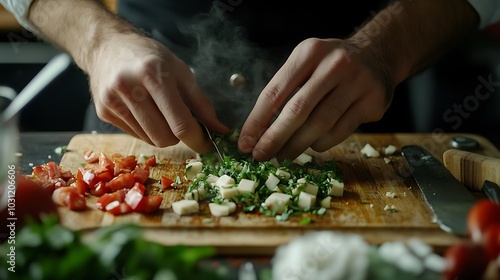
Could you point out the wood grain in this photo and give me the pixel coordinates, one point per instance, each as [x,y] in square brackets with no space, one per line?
[472,169]
[360,210]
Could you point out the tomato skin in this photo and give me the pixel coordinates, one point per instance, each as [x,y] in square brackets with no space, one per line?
[465,260]
[104,176]
[105,163]
[124,163]
[119,209]
[491,241]
[100,189]
[103,201]
[166,182]
[76,201]
[149,204]
[81,186]
[140,175]
[151,161]
[483,214]
[122,181]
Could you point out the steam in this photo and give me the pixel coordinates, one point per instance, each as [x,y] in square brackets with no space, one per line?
[222,50]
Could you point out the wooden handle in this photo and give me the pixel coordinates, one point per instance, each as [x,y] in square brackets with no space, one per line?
[472,169]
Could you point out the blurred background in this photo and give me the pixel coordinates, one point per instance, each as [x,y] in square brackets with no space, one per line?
[460,93]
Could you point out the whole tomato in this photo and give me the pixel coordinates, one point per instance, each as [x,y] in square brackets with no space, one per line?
[31,201]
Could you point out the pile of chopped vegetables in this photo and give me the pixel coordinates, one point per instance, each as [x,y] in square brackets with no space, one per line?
[271,188]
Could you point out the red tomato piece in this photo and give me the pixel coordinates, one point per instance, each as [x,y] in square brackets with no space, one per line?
[140,174]
[57,183]
[149,204]
[88,176]
[483,214]
[100,189]
[103,201]
[105,163]
[117,208]
[119,195]
[465,260]
[90,156]
[52,170]
[151,161]
[166,182]
[76,202]
[41,173]
[134,197]
[81,186]
[104,176]
[491,241]
[122,181]
[125,163]
[66,175]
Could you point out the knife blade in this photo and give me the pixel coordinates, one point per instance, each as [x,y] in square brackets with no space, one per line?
[207,131]
[446,196]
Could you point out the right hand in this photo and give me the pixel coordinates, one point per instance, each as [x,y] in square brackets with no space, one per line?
[142,88]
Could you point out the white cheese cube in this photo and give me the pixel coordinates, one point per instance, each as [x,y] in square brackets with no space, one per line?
[218,210]
[389,150]
[202,192]
[224,181]
[192,169]
[228,193]
[369,151]
[282,174]
[306,200]
[231,206]
[337,188]
[274,162]
[194,195]
[277,202]
[185,207]
[311,189]
[211,179]
[303,159]
[272,182]
[246,186]
[325,202]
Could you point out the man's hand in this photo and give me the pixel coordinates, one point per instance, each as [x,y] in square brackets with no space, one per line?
[320,96]
[148,92]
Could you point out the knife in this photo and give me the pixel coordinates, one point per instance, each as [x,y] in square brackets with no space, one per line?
[449,199]
[207,131]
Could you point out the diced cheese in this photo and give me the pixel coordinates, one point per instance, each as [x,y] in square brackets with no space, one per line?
[246,186]
[282,174]
[272,182]
[194,195]
[389,150]
[223,209]
[311,189]
[193,168]
[202,192]
[224,181]
[306,200]
[274,162]
[369,151]
[277,202]
[303,159]
[325,202]
[228,193]
[185,207]
[337,188]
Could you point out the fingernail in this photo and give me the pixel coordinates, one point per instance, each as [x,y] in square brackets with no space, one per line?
[247,143]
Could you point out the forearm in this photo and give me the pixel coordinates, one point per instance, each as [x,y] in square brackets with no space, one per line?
[79,27]
[409,35]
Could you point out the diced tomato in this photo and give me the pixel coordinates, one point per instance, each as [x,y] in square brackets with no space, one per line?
[104,200]
[151,161]
[40,172]
[119,195]
[53,170]
[140,174]
[104,176]
[90,156]
[100,189]
[116,208]
[124,163]
[166,182]
[134,196]
[66,175]
[89,176]
[105,162]
[122,181]
[149,204]
[81,186]
[76,202]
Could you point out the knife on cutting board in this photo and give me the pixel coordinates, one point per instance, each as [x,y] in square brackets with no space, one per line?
[448,198]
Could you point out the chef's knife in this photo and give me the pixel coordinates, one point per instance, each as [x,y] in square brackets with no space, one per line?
[446,196]
[207,131]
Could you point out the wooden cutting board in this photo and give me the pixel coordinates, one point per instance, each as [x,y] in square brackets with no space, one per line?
[360,210]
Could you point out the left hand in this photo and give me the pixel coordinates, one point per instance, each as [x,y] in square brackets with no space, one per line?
[337,91]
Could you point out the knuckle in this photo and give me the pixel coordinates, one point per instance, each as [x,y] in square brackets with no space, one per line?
[299,108]
[180,130]
[272,94]
[311,45]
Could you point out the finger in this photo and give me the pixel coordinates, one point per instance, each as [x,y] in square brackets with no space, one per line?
[182,124]
[289,77]
[321,120]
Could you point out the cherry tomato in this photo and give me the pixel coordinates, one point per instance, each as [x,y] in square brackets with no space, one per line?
[122,181]
[149,204]
[483,214]
[465,260]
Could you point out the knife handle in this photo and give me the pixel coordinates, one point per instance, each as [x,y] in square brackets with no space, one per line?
[472,169]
